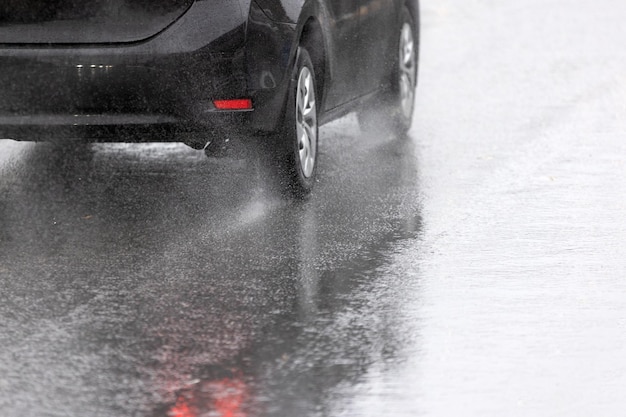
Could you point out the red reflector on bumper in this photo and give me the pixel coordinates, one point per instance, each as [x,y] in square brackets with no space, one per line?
[234,104]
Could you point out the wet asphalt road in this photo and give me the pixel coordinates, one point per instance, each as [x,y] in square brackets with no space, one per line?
[475,268]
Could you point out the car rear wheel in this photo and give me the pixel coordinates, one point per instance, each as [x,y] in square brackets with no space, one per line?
[299,133]
[394,111]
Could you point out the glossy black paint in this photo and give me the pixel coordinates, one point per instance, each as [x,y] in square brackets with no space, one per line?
[86,21]
[68,70]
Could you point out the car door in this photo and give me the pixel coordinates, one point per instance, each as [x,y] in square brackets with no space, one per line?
[377,42]
[344,52]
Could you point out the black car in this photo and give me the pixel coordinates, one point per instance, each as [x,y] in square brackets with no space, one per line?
[206,72]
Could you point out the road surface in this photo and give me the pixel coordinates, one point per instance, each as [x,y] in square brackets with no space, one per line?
[475,268]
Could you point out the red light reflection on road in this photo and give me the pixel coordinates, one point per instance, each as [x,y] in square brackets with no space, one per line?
[230,397]
[225,397]
[181,409]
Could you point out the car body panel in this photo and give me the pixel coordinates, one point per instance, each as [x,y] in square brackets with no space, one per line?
[343,84]
[378,49]
[86,21]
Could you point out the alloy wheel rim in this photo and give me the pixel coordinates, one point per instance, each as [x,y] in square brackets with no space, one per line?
[407,75]
[306,121]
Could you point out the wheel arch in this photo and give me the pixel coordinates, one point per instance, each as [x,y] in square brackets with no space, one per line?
[312,38]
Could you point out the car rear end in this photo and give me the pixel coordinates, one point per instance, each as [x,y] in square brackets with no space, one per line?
[121,70]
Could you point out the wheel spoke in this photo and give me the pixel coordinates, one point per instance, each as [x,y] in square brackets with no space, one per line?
[301,101]
[303,145]
[309,130]
[299,131]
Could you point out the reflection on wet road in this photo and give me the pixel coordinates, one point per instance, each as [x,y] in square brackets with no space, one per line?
[473,268]
[148,277]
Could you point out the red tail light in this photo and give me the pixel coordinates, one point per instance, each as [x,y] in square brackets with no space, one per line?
[233,104]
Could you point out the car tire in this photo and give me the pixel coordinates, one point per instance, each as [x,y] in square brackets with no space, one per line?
[298,135]
[392,111]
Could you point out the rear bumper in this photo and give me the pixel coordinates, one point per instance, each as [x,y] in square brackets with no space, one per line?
[123,127]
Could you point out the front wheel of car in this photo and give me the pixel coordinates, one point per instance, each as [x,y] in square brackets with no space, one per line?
[299,133]
[393,111]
